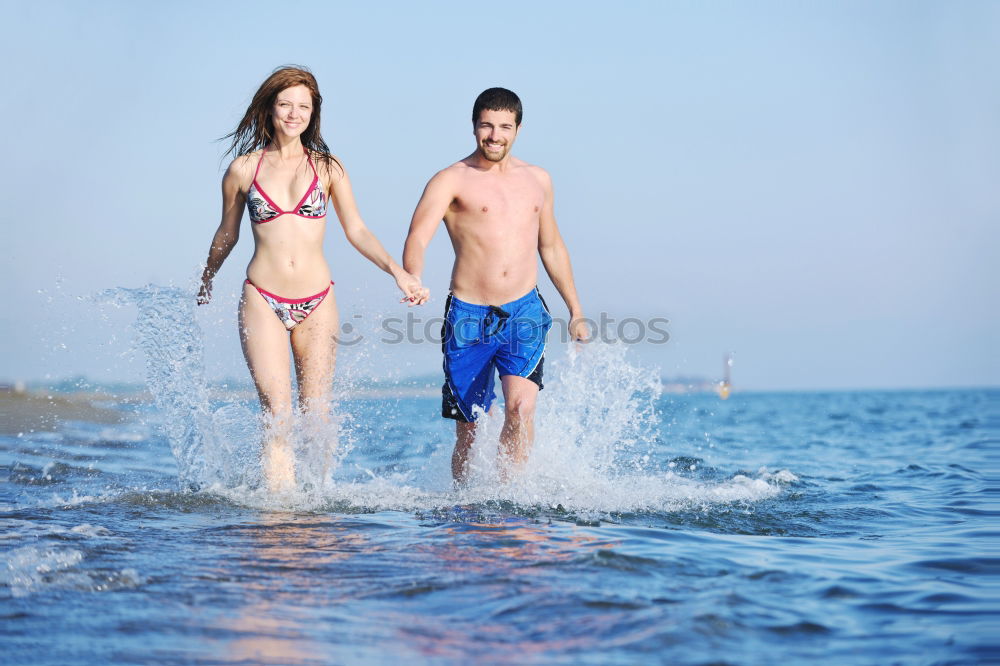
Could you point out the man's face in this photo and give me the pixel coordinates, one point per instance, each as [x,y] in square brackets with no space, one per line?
[495,133]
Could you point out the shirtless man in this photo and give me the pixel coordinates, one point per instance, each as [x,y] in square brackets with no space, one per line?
[498,211]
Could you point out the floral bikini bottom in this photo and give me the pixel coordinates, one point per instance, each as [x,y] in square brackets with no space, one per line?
[292,311]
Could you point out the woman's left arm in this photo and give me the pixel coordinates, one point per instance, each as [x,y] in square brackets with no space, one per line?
[363,240]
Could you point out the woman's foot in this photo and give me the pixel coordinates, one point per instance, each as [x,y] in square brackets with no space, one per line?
[279,467]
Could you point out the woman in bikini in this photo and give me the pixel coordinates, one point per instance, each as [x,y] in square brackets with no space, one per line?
[284,173]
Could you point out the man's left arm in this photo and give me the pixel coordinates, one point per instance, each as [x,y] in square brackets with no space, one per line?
[555,259]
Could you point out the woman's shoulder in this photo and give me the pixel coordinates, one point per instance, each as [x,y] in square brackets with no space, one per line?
[247,160]
[244,165]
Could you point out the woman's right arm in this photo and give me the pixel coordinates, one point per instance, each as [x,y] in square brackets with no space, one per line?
[233,200]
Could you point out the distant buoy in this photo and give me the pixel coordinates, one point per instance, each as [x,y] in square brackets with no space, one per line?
[724,387]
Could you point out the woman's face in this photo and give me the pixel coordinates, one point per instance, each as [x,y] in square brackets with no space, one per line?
[292,111]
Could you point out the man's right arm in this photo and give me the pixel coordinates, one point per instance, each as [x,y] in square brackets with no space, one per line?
[431,209]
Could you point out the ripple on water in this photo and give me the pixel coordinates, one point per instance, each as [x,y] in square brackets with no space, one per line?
[979,566]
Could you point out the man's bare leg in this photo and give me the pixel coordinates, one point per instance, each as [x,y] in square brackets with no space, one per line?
[465,435]
[518,431]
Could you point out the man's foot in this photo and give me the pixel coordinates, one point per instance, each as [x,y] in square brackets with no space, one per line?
[507,468]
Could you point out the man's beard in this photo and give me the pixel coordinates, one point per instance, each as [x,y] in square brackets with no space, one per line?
[493,157]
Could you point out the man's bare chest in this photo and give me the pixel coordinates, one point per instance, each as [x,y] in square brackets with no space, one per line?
[509,199]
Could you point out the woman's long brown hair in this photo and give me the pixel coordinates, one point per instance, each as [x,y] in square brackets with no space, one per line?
[256,130]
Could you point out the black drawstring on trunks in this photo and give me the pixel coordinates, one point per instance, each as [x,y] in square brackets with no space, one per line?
[495,318]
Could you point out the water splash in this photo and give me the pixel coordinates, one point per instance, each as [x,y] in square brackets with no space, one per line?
[598,444]
[171,341]
[598,447]
[215,446]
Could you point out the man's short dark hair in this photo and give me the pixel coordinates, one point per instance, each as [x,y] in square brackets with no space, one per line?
[497,99]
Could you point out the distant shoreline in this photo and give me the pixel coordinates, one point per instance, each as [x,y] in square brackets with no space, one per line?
[30,411]
[40,409]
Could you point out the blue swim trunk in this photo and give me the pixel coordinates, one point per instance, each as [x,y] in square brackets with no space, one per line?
[478,340]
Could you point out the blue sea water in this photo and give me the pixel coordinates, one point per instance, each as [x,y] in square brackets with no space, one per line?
[847,527]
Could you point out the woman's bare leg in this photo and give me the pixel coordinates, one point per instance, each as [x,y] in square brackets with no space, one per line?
[265,346]
[314,347]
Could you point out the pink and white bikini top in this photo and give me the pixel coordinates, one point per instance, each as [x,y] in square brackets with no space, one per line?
[262,209]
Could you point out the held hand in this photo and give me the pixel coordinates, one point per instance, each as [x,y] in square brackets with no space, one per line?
[579,330]
[414,292]
[205,293]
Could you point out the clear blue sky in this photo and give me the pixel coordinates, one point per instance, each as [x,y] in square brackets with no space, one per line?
[813,185]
